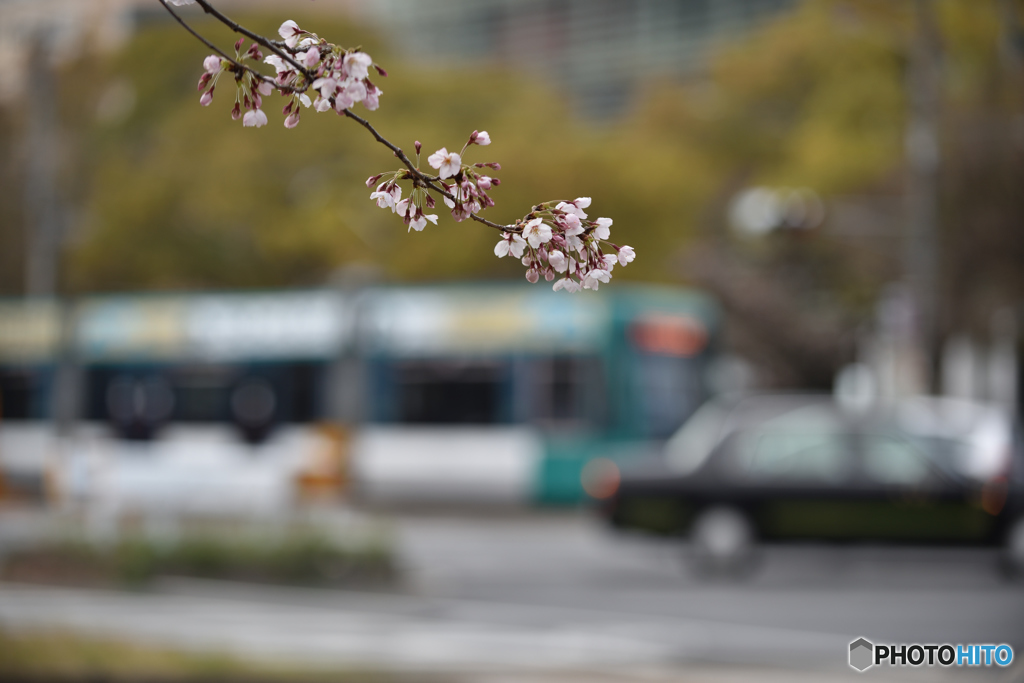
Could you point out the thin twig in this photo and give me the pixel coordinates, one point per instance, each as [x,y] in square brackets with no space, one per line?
[429,181]
[269,44]
[237,64]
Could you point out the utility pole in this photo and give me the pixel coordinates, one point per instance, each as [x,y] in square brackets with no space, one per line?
[43,211]
[922,196]
[41,206]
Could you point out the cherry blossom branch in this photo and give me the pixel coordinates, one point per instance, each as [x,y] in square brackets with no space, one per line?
[429,181]
[555,237]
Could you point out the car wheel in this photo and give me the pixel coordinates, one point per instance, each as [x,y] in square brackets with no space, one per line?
[722,542]
[1013,549]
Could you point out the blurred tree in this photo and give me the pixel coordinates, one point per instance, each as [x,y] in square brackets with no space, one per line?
[819,99]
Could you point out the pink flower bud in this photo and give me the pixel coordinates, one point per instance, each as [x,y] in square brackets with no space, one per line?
[236,113]
[212,64]
[532,275]
[429,201]
[495,181]
[549,275]
[204,81]
[239,43]
[484,182]
[373,179]
[292,120]
[480,138]
[381,71]
[418,146]
[206,98]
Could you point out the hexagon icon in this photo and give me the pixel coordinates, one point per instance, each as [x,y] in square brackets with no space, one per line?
[861,654]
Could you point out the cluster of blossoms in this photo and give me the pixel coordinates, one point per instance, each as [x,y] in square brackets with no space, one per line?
[340,77]
[249,89]
[465,194]
[557,239]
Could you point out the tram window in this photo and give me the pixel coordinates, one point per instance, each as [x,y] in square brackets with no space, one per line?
[202,394]
[566,390]
[449,392]
[18,390]
[305,394]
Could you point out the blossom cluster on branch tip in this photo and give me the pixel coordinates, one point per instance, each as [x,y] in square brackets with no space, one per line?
[555,240]
[558,239]
[339,77]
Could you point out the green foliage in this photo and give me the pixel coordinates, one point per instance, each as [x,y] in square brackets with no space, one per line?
[301,557]
[58,656]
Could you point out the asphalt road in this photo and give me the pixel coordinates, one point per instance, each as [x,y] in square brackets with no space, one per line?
[540,595]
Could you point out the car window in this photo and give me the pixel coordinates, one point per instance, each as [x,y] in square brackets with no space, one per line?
[893,460]
[807,447]
[690,446]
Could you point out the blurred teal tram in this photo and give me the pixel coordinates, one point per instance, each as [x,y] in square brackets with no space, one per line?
[507,392]
[482,393]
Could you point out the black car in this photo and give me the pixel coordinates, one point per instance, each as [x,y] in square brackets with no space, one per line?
[796,468]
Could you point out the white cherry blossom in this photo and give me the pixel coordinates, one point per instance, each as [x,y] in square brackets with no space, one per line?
[326,87]
[568,284]
[387,198]
[290,32]
[357,64]
[572,224]
[536,232]
[558,261]
[279,64]
[603,229]
[575,207]
[510,243]
[420,221]
[254,118]
[592,279]
[448,164]
[626,255]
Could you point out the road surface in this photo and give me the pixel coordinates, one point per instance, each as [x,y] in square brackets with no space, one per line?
[535,596]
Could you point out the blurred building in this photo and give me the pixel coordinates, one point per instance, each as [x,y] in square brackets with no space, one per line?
[596,50]
[67,27]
